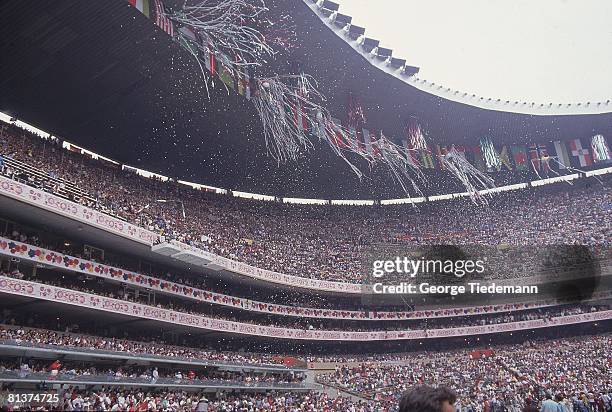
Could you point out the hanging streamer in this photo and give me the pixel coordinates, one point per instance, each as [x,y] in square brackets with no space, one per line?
[401,167]
[229,27]
[489,154]
[416,137]
[472,179]
[290,106]
[601,152]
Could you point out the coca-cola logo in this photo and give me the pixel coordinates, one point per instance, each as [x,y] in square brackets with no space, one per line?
[115,305]
[9,186]
[110,223]
[16,286]
[64,206]
[69,296]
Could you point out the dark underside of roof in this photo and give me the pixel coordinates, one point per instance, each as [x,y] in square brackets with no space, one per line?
[100,74]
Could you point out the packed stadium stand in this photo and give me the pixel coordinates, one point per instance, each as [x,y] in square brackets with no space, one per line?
[127,290]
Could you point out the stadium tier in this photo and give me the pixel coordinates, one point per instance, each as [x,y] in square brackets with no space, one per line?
[325,242]
[324,230]
[77,269]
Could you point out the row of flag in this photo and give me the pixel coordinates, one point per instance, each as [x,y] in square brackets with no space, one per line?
[217,64]
[157,9]
[539,158]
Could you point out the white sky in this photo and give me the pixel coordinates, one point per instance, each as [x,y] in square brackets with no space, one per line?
[545,51]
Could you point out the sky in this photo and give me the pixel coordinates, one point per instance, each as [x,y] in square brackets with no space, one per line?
[543,51]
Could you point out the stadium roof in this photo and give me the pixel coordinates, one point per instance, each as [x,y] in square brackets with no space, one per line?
[102,75]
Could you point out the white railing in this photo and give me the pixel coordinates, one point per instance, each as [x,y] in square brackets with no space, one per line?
[87,300]
[52,259]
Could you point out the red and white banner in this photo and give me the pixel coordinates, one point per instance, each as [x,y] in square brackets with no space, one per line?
[88,300]
[61,261]
[72,210]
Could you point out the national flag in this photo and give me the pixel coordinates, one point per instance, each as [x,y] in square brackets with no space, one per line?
[73,148]
[211,61]
[601,151]
[411,153]
[162,20]
[479,161]
[188,34]
[244,84]
[505,158]
[356,140]
[337,136]
[367,140]
[376,144]
[544,158]
[583,155]
[142,6]
[225,72]
[519,154]
[534,157]
[300,119]
[372,144]
[562,155]
[426,158]
[460,149]
[440,152]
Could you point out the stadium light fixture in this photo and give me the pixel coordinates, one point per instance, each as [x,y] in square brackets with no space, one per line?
[341,20]
[411,71]
[383,53]
[355,32]
[397,63]
[328,7]
[369,44]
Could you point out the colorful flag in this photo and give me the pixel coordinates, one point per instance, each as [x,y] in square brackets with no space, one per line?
[534,157]
[583,155]
[505,158]
[411,153]
[300,119]
[142,6]
[490,154]
[244,85]
[601,151]
[337,136]
[225,71]
[519,153]
[367,140]
[426,158]
[211,61]
[162,20]
[440,151]
[478,158]
[188,34]
[562,155]
[544,158]
[356,140]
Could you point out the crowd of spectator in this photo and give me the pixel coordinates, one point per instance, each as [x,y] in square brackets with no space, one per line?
[310,241]
[74,399]
[51,339]
[101,288]
[577,372]
[197,288]
[73,370]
